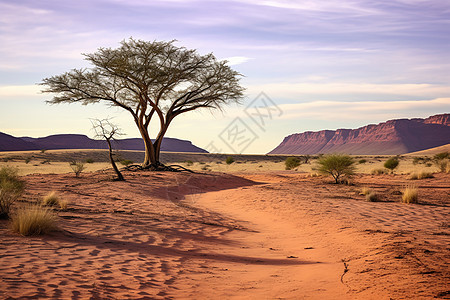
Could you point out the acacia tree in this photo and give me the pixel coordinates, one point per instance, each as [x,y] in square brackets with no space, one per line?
[149,80]
[336,165]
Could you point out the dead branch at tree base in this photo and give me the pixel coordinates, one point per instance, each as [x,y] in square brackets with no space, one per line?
[158,167]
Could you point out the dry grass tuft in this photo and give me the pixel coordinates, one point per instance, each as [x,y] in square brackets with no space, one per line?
[372,197]
[365,191]
[421,175]
[33,220]
[51,199]
[379,171]
[314,174]
[410,194]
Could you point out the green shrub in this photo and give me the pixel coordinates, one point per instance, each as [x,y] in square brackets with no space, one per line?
[391,163]
[89,161]
[189,163]
[441,156]
[126,162]
[11,188]
[77,167]
[229,160]
[27,160]
[336,165]
[362,161]
[33,220]
[292,162]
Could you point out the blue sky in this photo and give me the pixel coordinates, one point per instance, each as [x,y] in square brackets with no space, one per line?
[323,64]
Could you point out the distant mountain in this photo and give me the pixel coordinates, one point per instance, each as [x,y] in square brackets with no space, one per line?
[79,141]
[392,137]
[10,143]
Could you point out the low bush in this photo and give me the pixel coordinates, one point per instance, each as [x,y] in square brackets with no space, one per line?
[33,220]
[11,188]
[337,165]
[77,167]
[126,162]
[89,161]
[229,160]
[391,164]
[410,194]
[292,162]
[189,163]
[441,156]
[362,161]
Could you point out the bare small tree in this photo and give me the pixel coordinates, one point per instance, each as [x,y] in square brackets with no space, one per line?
[104,129]
[149,80]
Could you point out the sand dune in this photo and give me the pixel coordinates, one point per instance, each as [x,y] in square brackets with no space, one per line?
[224,236]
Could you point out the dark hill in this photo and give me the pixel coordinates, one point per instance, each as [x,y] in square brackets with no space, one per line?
[79,141]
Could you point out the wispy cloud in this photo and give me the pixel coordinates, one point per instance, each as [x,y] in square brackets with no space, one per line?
[236,60]
[330,110]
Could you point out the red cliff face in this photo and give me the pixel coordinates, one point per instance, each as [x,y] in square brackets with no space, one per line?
[391,137]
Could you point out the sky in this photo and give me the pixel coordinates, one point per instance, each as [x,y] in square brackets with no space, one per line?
[307,65]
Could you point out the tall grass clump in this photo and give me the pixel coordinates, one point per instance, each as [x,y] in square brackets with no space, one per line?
[336,165]
[410,194]
[11,188]
[292,162]
[33,220]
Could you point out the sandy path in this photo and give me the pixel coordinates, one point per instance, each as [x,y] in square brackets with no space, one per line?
[245,236]
[392,250]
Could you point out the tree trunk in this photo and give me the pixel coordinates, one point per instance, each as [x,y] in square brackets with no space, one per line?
[159,139]
[113,163]
[150,157]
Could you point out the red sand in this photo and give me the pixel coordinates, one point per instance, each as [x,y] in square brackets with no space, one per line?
[243,236]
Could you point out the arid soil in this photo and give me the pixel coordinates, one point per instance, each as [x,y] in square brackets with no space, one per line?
[252,235]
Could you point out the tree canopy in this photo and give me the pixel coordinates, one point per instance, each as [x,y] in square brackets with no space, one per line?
[149,79]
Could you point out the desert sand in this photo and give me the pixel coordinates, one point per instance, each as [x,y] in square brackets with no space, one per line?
[234,235]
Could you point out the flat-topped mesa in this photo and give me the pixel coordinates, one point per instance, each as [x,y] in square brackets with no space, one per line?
[392,137]
[443,119]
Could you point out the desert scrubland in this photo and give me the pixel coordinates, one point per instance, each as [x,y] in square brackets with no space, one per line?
[245,230]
